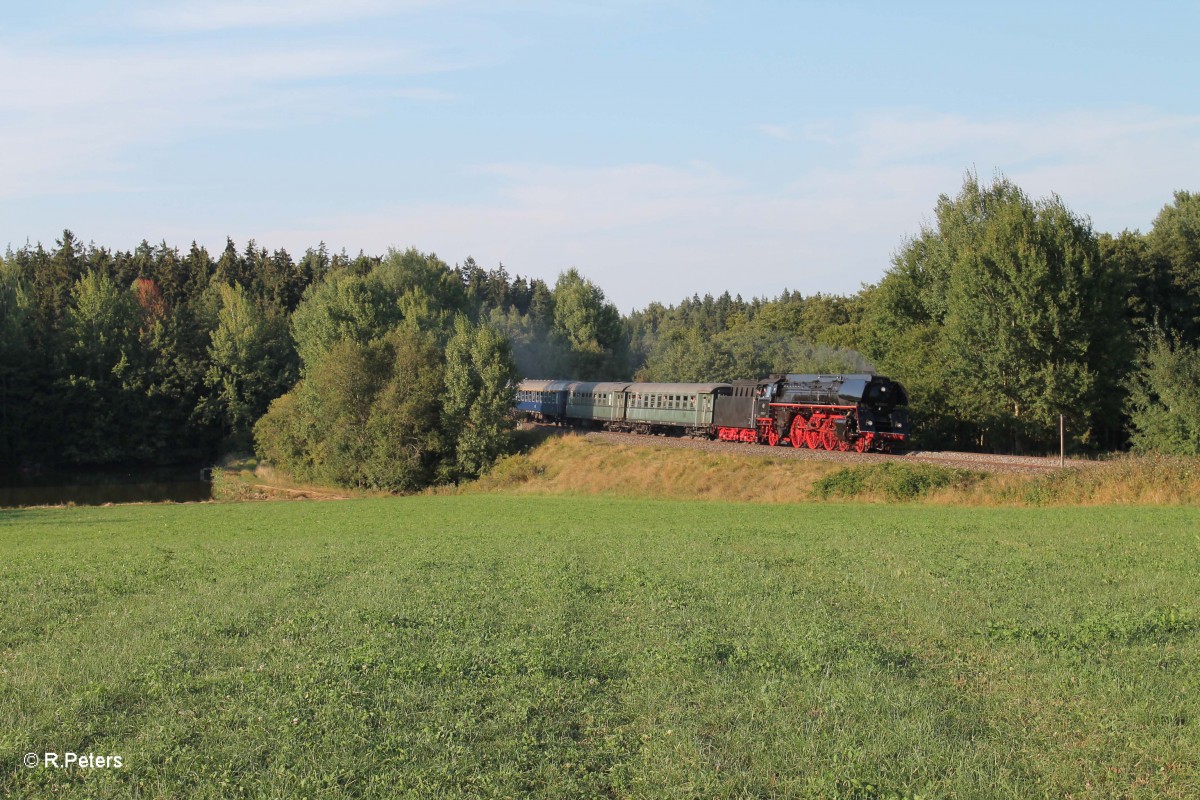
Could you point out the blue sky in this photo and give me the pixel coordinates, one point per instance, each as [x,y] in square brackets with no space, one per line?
[663,148]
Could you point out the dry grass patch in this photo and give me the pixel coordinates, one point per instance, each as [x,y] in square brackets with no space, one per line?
[578,465]
[575,465]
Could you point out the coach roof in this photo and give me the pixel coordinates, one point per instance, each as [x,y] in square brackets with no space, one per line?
[677,388]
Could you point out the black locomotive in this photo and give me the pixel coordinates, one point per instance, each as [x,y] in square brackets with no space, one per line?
[821,412]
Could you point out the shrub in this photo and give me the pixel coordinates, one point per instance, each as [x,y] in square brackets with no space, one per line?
[895,481]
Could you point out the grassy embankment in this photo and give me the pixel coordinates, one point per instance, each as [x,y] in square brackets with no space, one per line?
[585,646]
[578,466]
[575,465]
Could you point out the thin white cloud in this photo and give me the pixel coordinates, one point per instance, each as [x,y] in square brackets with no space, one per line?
[887,138]
[661,232]
[74,118]
[772,131]
[217,15]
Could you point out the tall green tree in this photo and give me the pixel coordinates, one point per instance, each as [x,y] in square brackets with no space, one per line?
[98,348]
[1007,315]
[591,326]
[251,362]
[481,378]
[409,447]
[343,307]
[1164,398]
[1174,260]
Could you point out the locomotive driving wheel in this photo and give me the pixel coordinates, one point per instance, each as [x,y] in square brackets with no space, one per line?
[812,434]
[799,423]
[829,439]
[773,436]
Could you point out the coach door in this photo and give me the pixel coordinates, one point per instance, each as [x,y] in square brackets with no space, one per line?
[618,406]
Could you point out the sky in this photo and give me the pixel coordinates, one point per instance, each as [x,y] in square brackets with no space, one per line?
[664,149]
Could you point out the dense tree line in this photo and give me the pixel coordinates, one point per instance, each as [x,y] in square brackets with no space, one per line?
[393,371]
[726,338]
[156,357]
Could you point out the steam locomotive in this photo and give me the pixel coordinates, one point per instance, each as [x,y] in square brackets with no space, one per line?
[820,412]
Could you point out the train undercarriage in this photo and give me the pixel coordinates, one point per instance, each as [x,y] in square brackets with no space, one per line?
[811,427]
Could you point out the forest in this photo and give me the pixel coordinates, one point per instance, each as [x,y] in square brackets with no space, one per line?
[396,371]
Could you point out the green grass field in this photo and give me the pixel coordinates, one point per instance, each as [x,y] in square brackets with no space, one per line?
[590,647]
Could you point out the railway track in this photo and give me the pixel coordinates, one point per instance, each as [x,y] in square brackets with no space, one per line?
[983,462]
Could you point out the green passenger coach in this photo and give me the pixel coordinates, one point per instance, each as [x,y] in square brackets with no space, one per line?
[599,402]
[662,407]
[642,407]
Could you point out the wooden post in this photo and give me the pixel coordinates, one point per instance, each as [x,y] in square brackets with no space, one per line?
[1062,442]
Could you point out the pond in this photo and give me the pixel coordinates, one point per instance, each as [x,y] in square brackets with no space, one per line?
[96,489]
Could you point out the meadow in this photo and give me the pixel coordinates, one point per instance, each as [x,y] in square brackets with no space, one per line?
[580,646]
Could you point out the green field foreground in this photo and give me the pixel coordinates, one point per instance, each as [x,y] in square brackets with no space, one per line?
[590,647]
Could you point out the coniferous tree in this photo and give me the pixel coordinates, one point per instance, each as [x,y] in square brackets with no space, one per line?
[98,348]
[17,358]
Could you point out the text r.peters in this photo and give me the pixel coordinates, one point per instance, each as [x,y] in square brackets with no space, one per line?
[77,760]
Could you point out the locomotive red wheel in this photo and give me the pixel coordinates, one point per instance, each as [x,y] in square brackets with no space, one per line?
[829,439]
[797,434]
[812,435]
[772,436]
[863,443]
